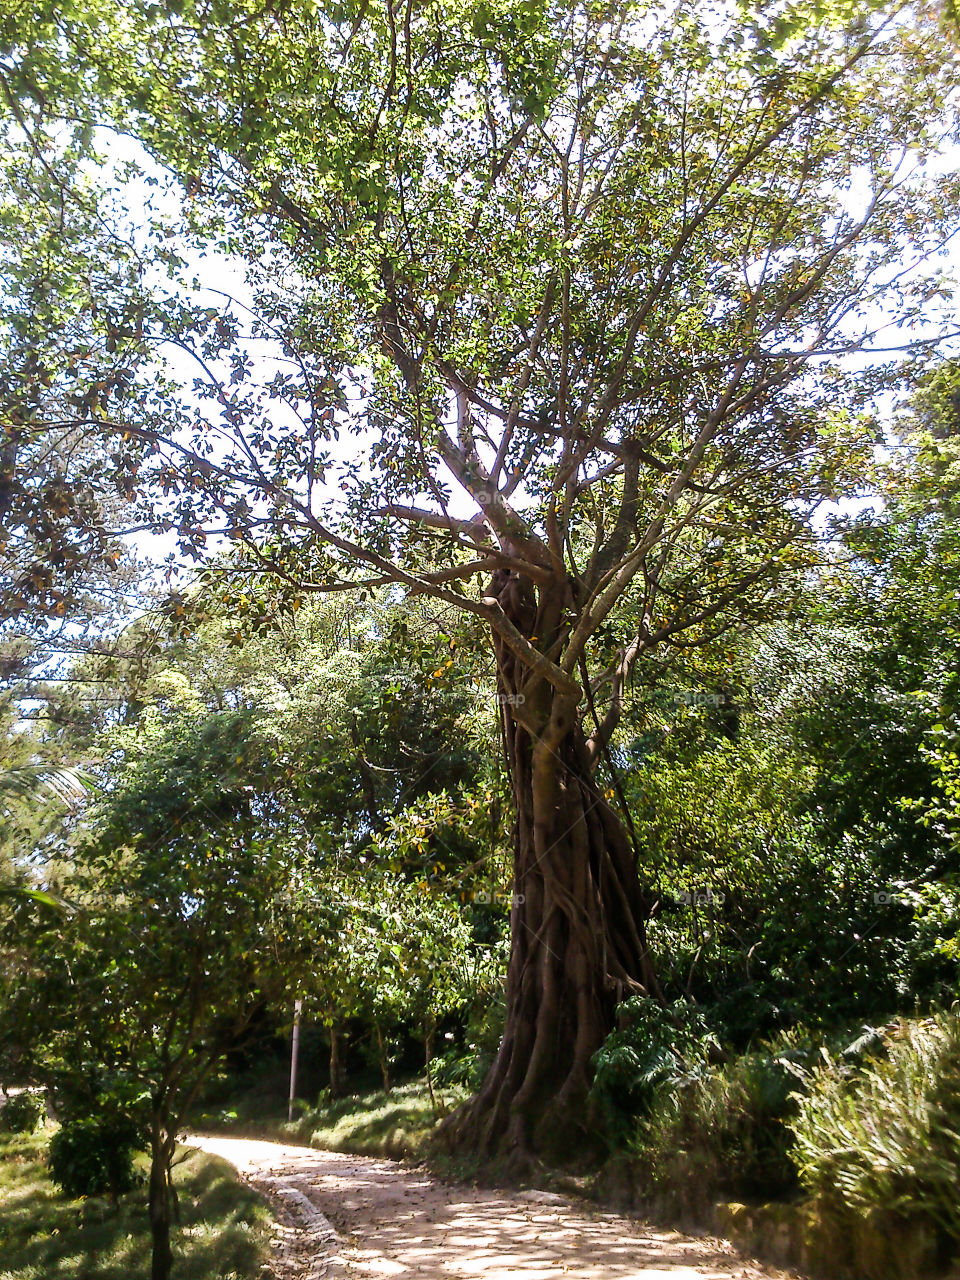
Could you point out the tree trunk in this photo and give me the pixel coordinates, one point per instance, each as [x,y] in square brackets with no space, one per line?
[429,1030]
[159,1206]
[578,941]
[336,1063]
[382,1058]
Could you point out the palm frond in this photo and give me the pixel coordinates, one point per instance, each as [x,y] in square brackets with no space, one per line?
[67,784]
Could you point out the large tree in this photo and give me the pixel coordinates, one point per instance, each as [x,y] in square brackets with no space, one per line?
[559,298]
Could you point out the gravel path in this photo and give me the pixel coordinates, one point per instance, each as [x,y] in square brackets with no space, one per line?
[357,1218]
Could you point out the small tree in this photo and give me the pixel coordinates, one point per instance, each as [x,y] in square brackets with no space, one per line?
[186,924]
[422,947]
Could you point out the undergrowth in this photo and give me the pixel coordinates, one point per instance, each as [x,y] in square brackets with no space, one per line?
[223,1229]
[884,1137]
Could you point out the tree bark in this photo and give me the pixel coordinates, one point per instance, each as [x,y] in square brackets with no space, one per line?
[578,939]
[159,1205]
[382,1058]
[336,1062]
[429,1029]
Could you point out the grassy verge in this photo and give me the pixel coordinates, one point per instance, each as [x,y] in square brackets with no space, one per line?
[397,1124]
[223,1234]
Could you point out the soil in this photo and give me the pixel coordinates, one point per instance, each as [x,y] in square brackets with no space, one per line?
[343,1217]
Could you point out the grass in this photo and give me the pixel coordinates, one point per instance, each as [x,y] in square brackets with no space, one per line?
[223,1234]
[397,1124]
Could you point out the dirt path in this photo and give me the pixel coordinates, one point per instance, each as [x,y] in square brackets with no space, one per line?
[356,1218]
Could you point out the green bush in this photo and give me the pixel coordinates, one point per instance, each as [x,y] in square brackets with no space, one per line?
[93,1155]
[885,1137]
[724,1131]
[464,1069]
[21,1113]
[654,1050]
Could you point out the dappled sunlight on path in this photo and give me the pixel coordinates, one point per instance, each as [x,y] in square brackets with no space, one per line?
[360,1218]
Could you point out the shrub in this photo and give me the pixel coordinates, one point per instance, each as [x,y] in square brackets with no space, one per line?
[464,1069]
[654,1050]
[885,1137]
[93,1155]
[21,1112]
[724,1130]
